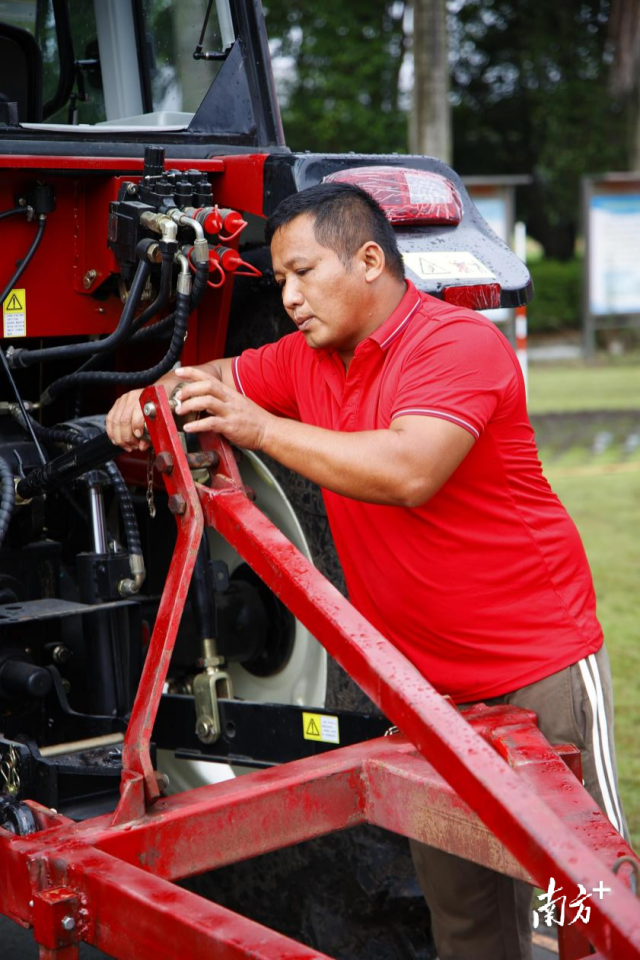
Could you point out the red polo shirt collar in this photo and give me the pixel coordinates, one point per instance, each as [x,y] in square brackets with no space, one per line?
[392,328]
[395,324]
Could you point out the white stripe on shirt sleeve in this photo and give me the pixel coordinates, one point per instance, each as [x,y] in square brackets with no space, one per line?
[236,372]
[443,414]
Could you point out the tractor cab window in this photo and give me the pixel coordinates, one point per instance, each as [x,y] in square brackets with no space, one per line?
[117,63]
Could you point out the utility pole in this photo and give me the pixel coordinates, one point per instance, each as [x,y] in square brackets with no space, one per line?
[430,118]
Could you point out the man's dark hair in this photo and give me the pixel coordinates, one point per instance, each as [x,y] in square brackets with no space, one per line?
[345,218]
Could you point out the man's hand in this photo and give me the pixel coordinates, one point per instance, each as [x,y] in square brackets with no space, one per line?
[125,423]
[240,420]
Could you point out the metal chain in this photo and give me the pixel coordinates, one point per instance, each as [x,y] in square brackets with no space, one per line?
[150,500]
[9,772]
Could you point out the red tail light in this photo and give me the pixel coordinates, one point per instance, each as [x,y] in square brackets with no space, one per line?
[407,196]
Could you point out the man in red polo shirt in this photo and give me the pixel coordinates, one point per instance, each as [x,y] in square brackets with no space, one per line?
[411,416]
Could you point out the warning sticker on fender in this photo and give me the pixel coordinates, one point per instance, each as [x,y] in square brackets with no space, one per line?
[317,726]
[447,266]
[14,314]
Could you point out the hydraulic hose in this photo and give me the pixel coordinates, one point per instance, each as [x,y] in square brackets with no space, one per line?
[7,497]
[13,211]
[25,358]
[138,378]
[42,222]
[154,332]
[158,304]
[74,437]
[161,327]
[200,283]
[132,533]
[163,294]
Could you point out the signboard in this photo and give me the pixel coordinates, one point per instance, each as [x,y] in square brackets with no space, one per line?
[611,281]
[614,253]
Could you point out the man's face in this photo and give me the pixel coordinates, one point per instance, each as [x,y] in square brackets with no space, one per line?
[327,302]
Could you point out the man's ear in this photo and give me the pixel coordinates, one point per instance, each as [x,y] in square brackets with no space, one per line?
[373,260]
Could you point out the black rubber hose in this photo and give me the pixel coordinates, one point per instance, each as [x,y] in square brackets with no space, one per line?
[7,497]
[42,222]
[13,211]
[127,512]
[163,294]
[161,328]
[154,308]
[74,437]
[25,358]
[156,331]
[199,283]
[138,378]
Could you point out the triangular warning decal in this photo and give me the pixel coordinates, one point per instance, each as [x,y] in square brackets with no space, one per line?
[312,729]
[14,304]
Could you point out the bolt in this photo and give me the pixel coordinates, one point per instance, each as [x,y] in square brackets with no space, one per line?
[203,458]
[177,504]
[61,653]
[88,278]
[31,904]
[164,462]
[68,923]
[205,730]
[163,782]
[131,188]
[154,253]
[149,410]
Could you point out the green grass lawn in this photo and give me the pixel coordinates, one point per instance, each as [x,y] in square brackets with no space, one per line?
[606,509]
[605,384]
[605,504]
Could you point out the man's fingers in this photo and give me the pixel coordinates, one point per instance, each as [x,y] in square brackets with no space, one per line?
[122,418]
[198,404]
[192,373]
[217,424]
[201,388]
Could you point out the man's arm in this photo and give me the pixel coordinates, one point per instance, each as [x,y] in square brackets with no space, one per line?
[125,422]
[402,466]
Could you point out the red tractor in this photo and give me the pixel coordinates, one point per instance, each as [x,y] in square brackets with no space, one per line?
[142,151]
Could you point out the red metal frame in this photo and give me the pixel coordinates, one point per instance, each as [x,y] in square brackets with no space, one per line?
[443,781]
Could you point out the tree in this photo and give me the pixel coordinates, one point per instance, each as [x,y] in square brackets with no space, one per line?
[338,66]
[430,117]
[529,89]
[529,84]
[625,73]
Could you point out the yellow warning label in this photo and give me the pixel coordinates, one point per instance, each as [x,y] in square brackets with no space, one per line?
[317,726]
[14,313]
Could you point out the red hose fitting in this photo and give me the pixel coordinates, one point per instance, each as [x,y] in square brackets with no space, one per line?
[209,219]
[214,264]
[231,261]
[232,222]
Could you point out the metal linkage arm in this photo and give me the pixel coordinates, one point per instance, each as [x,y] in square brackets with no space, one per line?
[493,768]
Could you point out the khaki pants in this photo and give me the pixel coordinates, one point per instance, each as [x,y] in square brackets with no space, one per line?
[477,914]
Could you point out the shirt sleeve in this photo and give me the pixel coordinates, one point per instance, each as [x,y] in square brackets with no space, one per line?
[465,372]
[266,376]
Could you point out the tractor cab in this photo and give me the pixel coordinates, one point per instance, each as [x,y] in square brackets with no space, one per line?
[129,68]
